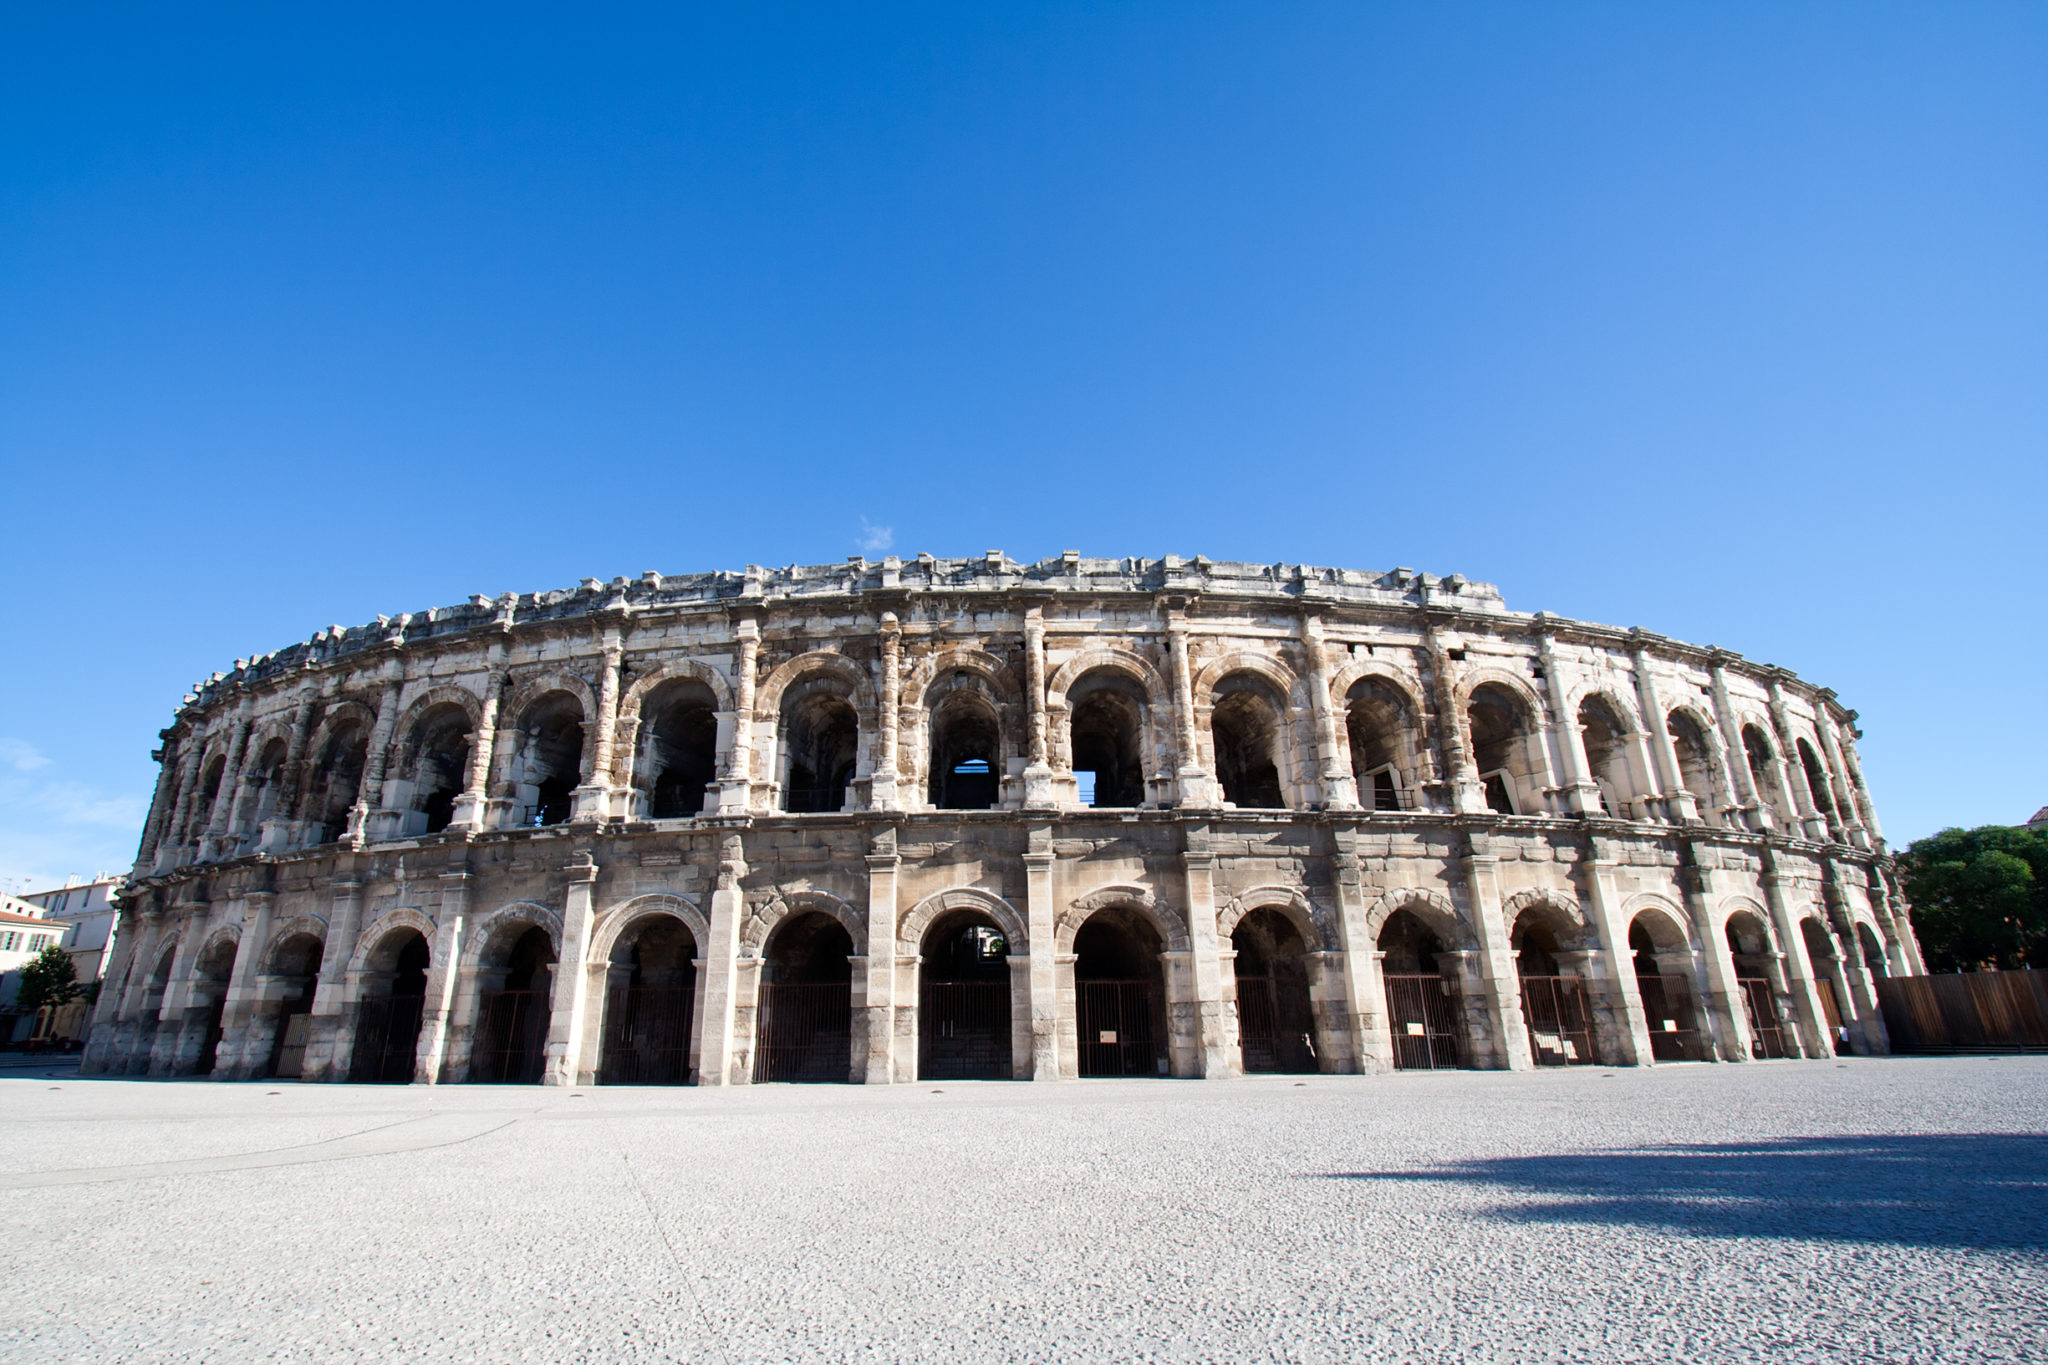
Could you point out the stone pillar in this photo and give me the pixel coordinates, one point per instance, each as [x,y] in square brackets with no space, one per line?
[1845,800]
[1753,806]
[882,791]
[1722,1029]
[330,1042]
[716,1063]
[371,797]
[444,975]
[1631,1025]
[1852,766]
[1868,1025]
[1197,789]
[1812,1024]
[593,800]
[1680,805]
[230,784]
[159,807]
[473,806]
[178,831]
[1810,815]
[880,1066]
[1038,790]
[113,1013]
[1339,786]
[1502,982]
[569,998]
[1467,795]
[1052,1058]
[1364,1003]
[1215,1056]
[1581,794]
[236,1060]
[163,1054]
[735,789]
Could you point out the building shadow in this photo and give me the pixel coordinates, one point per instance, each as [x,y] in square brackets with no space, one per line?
[1976,1190]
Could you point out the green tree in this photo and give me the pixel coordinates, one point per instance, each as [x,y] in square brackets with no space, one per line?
[48,978]
[1979,897]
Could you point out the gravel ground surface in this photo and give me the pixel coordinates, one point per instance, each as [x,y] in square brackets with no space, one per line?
[1890,1209]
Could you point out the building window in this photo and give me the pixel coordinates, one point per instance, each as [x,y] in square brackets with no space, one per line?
[7,944]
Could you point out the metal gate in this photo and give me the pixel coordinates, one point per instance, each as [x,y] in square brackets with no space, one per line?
[511,1038]
[1766,1038]
[1424,1021]
[1275,1027]
[1560,1024]
[963,1031]
[646,1036]
[288,1045]
[805,1032]
[387,1040]
[1123,1028]
[1669,1014]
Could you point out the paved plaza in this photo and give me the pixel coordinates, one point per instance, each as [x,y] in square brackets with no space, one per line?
[1883,1209]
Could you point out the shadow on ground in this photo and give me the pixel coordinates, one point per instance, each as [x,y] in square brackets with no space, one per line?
[1980,1190]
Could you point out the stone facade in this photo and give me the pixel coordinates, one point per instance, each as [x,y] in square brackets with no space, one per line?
[975,817]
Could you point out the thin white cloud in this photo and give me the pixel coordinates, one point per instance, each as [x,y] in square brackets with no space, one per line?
[52,827]
[873,539]
[21,756]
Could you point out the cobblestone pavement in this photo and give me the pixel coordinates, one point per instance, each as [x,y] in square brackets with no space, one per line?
[1887,1209]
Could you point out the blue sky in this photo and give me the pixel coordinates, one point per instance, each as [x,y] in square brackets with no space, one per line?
[1729,321]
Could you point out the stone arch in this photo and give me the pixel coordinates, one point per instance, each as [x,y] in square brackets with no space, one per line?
[636,692]
[228,934]
[1742,905]
[1122,896]
[1117,658]
[763,918]
[448,694]
[531,913]
[1403,681]
[1293,695]
[372,938]
[1563,911]
[1289,902]
[1513,682]
[613,926]
[920,917]
[534,686]
[919,678]
[827,663]
[310,926]
[1659,907]
[1621,709]
[1431,907]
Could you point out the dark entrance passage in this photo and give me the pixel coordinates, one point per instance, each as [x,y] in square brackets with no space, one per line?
[215,970]
[1668,1008]
[512,1020]
[650,997]
[1553,1005]
[963,1008]
[1120,997]
[388,1024]
[1275,1019]
[297,961]
[1422,1010]
[1751,948]
[806,1031]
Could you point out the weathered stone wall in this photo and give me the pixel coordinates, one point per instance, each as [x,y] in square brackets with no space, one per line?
[732,752]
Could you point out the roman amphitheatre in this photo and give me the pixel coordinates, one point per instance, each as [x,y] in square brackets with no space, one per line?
[947,819]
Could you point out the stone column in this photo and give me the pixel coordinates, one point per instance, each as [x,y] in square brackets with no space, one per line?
[1467,795]
[1814,1039]
[716,1062]
[1339,786]
[569,999]
[1868,1025]
[1788,753]
[1744,781]
[371,797]
[883,862]
[735,789]
[178,831]
[444,976]
[1603,911]
[1038,790]
[1215,1056]
[163,1054]
[1845,800]
[113,1013]
[159,807]
[1679,802]
[330,1043]
[473,806]
[1503,983]
[1581,794]
[1722,1029]
[225,799]
[882,791]
[1050,1061]
[1197,789]
[235,1060]
[593,800]
[1358,968]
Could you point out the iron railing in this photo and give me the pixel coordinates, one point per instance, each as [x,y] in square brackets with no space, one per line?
[964,1031]
[387,1040]
[1122,1028]
[511,1038]
[1423,1018]
[1766,1037]
[1275,1026]
[646,1036]
[805,1032]
[1669,1013]
[1560,1022]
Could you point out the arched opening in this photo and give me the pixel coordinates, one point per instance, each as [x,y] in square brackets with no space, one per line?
[966,758]
[440,767]
[1276,1026]
[515,977]
[266,779]
[963,1014]
[1826,960]
[1603,733]
[1382,728]
[1817,781]
[650,1002]
[210,977]
[295,975]
[821,744]
[1245,726]
[806,1031]
[1106,729]
[1749,943]
[547,767]
[1663,963]
[1695,765]
[201,814]
[1422,999]
[337,779]
[1500,730]
[1120,996]
[1554,1004]
[151,1013]
[678,748]
[389,1015]
[1873,951]
[1757,750]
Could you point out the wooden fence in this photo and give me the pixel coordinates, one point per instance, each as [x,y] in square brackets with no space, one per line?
[1966,1012]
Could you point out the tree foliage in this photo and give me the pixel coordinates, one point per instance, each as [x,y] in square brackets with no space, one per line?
[48,978]
[1979,897]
